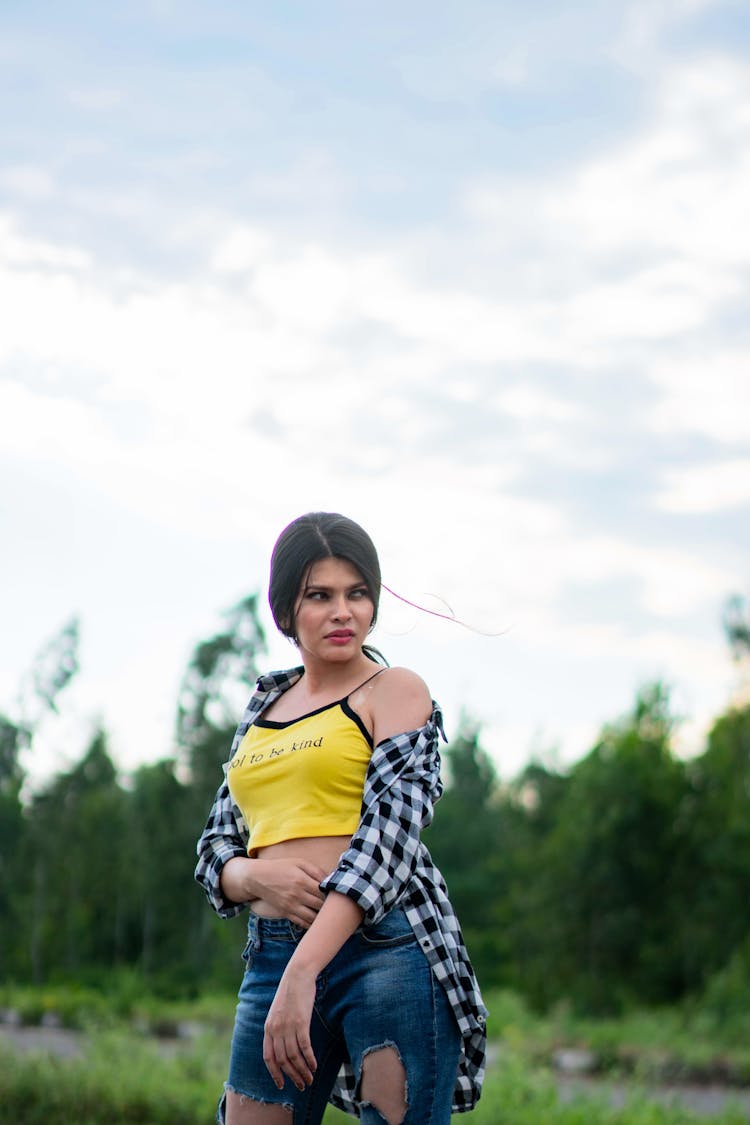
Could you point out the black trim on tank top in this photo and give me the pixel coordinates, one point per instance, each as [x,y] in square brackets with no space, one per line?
[343,703]
[352,714]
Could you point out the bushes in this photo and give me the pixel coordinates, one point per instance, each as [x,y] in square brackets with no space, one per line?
[128,1080]
[122,1081]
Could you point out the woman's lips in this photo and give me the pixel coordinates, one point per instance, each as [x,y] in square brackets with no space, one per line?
[340,637]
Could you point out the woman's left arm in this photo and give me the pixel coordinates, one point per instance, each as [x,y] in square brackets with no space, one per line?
[403,784]
[287,1049]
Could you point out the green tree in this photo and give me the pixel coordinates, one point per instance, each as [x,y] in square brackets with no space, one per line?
[53,668]
[737,626]
[51,671]
[11,835]
[164,920]
[612,865]
[463,840]
[217,683]
[526,909]
[717,916]
[74,855]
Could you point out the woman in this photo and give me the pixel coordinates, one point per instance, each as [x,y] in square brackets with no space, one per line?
[358,988]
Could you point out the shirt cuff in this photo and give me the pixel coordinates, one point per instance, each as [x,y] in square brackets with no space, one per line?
[362,891]
[211,882]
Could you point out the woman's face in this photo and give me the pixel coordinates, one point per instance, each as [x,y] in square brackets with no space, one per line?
[333,612]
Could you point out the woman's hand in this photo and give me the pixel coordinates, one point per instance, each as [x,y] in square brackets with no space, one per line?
[287,1048]
[290,886]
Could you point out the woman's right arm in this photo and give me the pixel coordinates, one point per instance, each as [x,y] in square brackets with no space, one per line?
[291,886]
[224,838]
[231,880]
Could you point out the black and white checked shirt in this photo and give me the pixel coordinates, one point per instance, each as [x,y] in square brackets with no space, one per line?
[386,863]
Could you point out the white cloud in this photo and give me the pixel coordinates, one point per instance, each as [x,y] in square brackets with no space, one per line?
[240,249]
[704,392]
[647,23]
[33,425]
[26,254]
[204,358]
[314,289]
[679,187]
[527,403]
[642,249]
[706,487]
[97,99]
[460,72]
[675,583]
[30,181]
[672,195]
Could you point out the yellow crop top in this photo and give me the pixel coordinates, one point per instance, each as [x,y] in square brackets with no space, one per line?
[304,777]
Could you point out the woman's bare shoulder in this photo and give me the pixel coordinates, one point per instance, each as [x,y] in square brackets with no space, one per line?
[400,701]
[397,680]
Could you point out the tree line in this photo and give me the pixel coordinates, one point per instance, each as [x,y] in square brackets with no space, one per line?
[622,880]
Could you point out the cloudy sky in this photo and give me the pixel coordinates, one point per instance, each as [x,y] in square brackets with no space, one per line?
[475,274]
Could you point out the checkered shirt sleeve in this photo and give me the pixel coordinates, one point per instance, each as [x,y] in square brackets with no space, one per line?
[224,837]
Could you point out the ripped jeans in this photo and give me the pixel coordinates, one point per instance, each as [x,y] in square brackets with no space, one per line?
[378,991]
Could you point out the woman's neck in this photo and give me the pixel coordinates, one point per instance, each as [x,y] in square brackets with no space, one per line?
[323,680]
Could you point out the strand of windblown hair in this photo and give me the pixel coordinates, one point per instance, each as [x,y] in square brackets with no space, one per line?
[450,616]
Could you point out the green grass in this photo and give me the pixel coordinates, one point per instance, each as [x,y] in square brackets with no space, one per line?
[127,1082]
[127,1078]
[676,1043]
[123,1080]
[118,1001]
[518,1094]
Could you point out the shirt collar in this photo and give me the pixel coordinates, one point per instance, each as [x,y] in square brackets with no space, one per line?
[280,681]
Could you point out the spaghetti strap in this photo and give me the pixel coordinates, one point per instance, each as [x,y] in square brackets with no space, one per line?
[372,677]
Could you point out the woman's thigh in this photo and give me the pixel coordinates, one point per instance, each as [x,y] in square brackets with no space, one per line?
[399,1029]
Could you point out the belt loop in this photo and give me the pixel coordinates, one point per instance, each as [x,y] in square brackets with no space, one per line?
[253,932]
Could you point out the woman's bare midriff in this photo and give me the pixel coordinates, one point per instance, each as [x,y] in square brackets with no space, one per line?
[324,851]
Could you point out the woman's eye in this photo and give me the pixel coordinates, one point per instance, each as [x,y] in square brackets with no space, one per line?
[360,593]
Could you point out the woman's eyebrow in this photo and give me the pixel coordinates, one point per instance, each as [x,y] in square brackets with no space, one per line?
[320,586]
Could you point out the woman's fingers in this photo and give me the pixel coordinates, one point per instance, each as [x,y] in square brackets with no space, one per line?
[312,870]
[292,885]
[274,1057]
[305,911]
[302,917]
[288,1056]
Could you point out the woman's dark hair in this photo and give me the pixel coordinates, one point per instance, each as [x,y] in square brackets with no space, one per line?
[307,540]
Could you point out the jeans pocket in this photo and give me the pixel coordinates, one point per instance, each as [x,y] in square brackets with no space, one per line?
[392,930]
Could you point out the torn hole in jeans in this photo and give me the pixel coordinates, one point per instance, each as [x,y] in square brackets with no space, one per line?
[382,1083]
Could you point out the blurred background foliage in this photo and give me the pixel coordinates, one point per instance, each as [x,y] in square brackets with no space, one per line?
[619,882]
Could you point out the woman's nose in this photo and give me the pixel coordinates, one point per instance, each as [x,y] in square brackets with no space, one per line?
[341,608]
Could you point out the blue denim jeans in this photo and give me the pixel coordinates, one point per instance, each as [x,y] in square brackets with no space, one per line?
[378,991]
